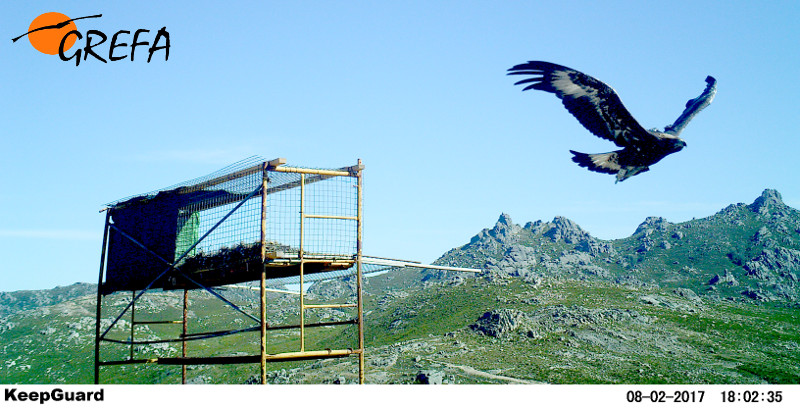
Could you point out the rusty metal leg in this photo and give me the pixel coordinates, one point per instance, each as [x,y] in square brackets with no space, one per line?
[263,295]
[183,333]
[100,302]
[359,282]
[133,321]
[302,263]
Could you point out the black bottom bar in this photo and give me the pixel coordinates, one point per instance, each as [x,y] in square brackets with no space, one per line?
[245,359]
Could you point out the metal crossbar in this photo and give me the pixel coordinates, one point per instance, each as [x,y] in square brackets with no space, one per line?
[312,306]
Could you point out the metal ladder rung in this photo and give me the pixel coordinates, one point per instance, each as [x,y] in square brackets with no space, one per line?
[322,216]
[155,322]
[310,306]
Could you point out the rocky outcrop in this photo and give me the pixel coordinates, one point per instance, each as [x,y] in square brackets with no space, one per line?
[560,229]
[777,271]
[726,278]
[595,247]
[689,305]
[687,294]
[576,261]
[758,295]
[653,224]
[769,201]
[646,233]
[505,322]
[780,261]
[503,232]
[518,261]
[499,323]
[763,238]
[430,377]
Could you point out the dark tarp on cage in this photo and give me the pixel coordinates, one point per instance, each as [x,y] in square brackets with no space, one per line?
[151,222]
[160,225]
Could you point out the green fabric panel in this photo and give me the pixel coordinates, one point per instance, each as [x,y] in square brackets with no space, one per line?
[188,234]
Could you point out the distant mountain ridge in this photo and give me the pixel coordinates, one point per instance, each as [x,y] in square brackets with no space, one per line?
[742,252]
[16,301]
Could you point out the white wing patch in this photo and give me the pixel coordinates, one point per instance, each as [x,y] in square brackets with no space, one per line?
[563,83]
[605,160]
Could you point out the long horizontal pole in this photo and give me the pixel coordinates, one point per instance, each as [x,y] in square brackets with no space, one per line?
[326,172]
[130,361]
[399,263]
[272,290]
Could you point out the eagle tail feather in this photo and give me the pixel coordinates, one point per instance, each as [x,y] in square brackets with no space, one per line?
[597,162]
[607,163]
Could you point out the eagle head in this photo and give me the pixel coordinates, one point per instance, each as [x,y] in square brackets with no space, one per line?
[669,143]
[678,144]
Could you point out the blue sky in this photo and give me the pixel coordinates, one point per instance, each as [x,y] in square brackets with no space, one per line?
[416,89]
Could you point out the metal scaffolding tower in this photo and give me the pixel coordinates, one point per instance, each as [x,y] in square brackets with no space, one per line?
[255,221]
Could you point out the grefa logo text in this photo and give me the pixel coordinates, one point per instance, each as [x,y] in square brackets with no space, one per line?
[55,33]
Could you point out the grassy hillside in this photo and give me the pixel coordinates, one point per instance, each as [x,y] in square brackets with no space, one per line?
[558,331]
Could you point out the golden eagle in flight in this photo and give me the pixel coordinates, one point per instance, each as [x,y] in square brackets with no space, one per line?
[599,109]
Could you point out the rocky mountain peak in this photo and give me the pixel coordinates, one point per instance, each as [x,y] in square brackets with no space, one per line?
[769,199]
[505,220]
[562,223]
[503,231]
[565,229]
[504,228]
[651,224]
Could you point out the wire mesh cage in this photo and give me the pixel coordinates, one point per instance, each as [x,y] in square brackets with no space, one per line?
[254,221]
[230,225]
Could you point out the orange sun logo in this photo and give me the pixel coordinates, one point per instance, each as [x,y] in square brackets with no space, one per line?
[54,33]
[46,32]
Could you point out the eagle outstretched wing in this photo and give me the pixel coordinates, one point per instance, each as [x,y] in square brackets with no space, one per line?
[596,106]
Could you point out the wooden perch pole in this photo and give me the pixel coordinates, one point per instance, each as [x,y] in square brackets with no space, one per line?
[263,287]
